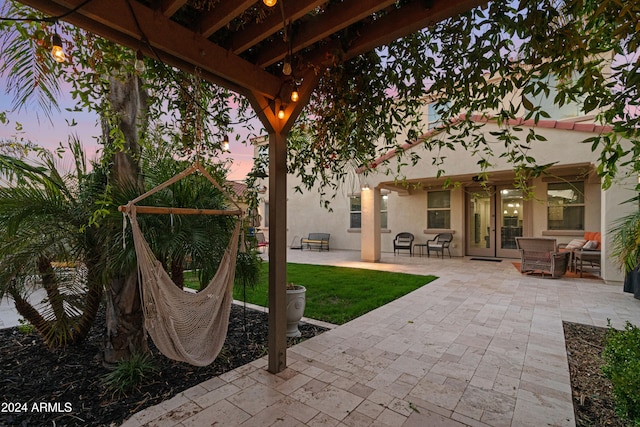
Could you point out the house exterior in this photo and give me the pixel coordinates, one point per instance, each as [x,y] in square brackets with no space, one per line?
[484,216]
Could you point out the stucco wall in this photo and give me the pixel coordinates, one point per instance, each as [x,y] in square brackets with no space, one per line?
[407,208]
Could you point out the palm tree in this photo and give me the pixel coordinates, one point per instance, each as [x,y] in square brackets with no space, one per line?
[44,237]
[625,248]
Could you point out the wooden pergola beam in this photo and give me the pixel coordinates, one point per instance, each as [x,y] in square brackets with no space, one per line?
[138,26]
[170,7]
[258,32]
[390,27]
[223,13]
[333,20]
[401,22]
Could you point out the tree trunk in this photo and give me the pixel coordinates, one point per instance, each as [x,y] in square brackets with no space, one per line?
[29,313]
[177,272]
[125,333]
[92,301]
[50,285]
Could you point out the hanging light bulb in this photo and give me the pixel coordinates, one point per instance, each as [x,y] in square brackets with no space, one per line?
[270,3]
[281,113]
[56,51]
[139,63]
[225,143]
[286,67]
[294,93]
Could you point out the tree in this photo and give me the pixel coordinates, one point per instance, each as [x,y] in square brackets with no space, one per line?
[43,223]
[583,50]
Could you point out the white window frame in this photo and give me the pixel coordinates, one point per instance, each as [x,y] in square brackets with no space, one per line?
[355,212]
[383,195]
[560,207]
[445,209]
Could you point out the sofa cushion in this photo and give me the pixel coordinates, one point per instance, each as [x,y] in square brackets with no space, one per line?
[575,244]
[593,235]
[591,245]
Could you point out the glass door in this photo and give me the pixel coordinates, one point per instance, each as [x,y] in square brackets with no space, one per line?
[494,220]
[510,217]
[480,223]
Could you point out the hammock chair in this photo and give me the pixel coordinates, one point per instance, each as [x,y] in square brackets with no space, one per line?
[187,327]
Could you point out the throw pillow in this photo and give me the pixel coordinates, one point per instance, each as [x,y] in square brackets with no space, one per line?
[576,244]
[591,244]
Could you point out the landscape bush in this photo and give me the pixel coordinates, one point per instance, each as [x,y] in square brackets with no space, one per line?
[621,357]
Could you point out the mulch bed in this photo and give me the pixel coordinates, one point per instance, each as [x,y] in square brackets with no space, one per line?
[592,391]
[39,387]
[67,386]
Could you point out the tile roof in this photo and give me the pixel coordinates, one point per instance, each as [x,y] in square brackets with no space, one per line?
[478,118]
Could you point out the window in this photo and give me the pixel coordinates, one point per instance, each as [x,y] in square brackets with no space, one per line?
[434,114]
[355,212]
[439,209]
[565,206]
[383,211]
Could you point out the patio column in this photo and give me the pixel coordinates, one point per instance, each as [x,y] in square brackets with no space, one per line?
[370,225]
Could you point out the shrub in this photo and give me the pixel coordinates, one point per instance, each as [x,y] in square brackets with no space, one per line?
[622,366]
[130,374]
[25,327]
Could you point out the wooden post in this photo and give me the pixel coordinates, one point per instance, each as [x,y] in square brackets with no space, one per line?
[277,253]
[278,130]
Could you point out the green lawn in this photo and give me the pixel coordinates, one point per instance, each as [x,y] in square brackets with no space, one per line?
[339,294]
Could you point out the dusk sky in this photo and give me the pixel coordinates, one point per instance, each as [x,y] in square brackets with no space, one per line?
[39,130]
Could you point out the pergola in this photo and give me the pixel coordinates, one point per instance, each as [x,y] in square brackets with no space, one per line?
[247,47]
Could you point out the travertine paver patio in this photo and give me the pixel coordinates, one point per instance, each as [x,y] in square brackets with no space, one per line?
[482,345]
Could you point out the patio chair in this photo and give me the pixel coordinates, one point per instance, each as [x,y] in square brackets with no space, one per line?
[261,241]
[591,241]
[541,254]
[439,243]
[404,241]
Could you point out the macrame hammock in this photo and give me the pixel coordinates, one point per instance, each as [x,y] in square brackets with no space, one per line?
[188,327]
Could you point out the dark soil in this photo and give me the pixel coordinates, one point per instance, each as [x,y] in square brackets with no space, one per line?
[70,383]
[592,391]
[66,387]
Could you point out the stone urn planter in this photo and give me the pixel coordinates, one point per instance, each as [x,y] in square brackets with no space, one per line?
[296,299]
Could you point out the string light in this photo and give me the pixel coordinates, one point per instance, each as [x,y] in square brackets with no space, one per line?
[225,143]
[139,63]
[281,113]
[286,67]
[270,3]
[57,51]
[294,93]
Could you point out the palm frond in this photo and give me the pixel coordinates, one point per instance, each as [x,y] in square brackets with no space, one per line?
[32,74]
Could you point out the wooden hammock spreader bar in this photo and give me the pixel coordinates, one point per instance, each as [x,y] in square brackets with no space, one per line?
[179,211]
[197,167]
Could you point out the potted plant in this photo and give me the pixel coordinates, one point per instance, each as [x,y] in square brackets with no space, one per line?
[296,299]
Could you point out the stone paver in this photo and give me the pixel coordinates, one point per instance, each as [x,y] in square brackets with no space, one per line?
[482,345]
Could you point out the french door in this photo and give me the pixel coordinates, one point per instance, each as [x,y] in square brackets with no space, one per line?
[495,217]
